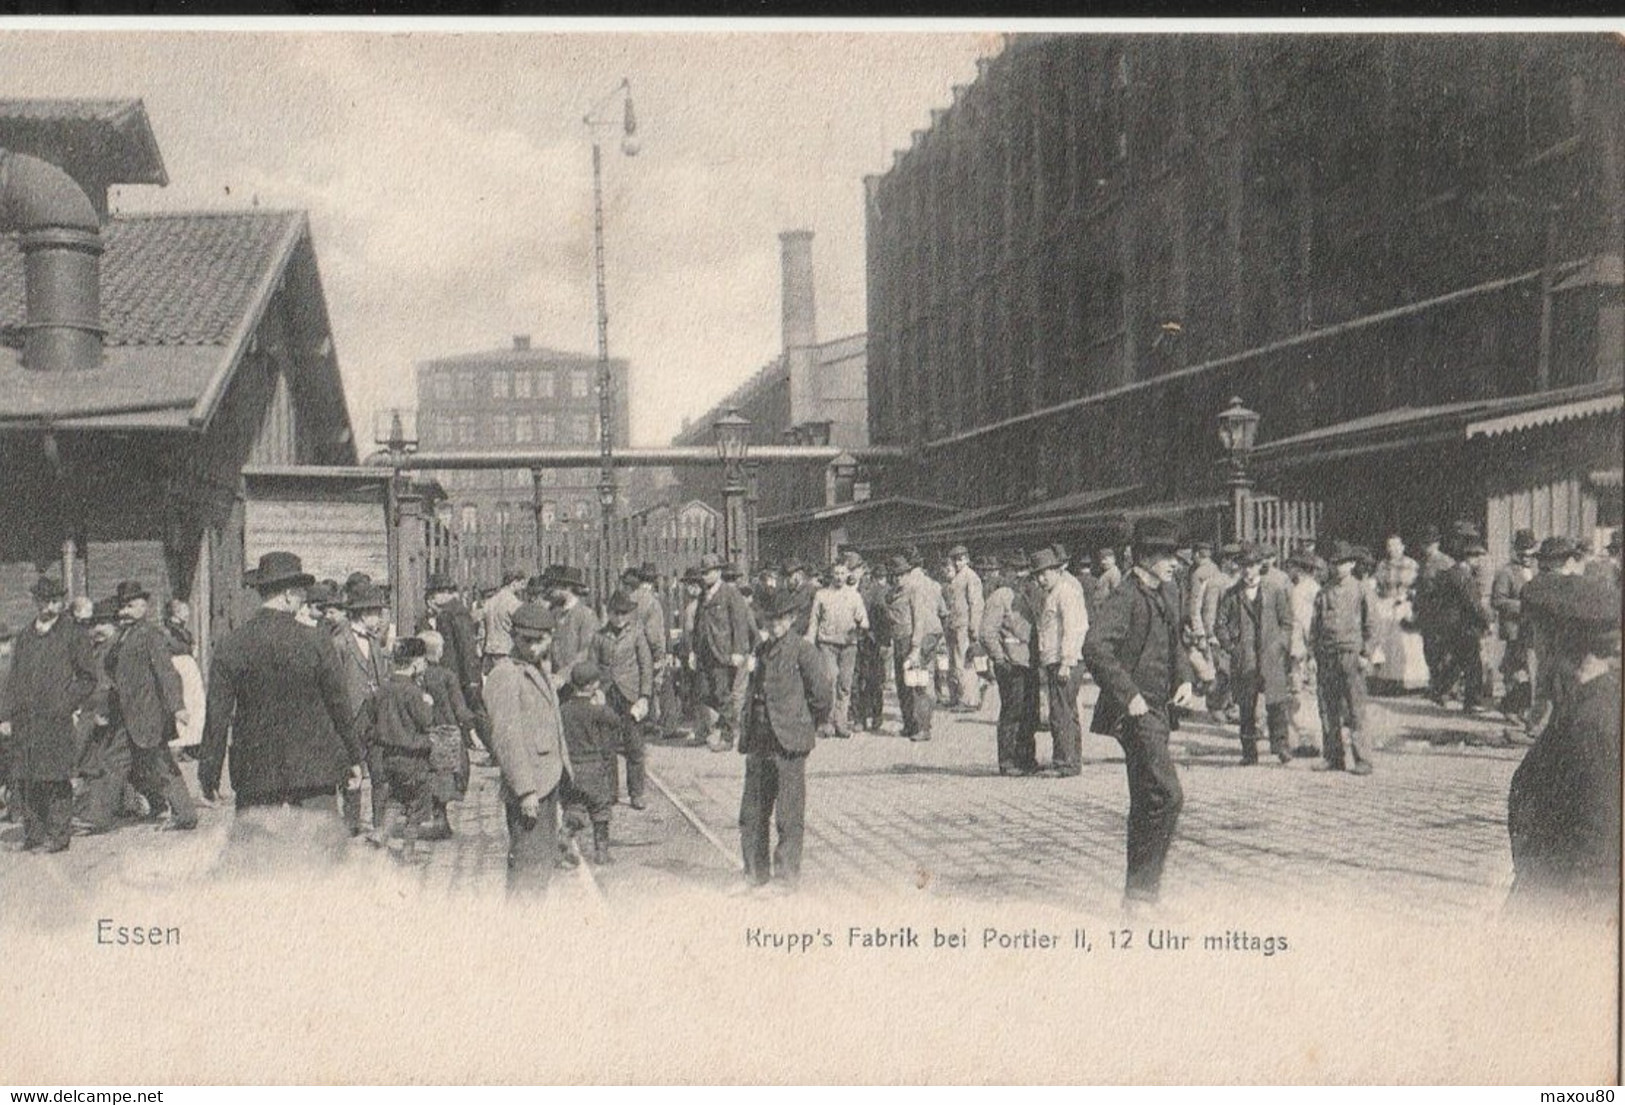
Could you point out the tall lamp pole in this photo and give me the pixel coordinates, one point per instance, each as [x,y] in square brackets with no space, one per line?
[595,119]
[1238,430]
[733,449]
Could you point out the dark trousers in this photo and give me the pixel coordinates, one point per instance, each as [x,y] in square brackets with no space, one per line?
[722,694]
[1018,718]
[533,846]
[1067,754]
[1436,654]
[1154,801]
[406,778]
[587,792]
[869,695]
[630,746]
[47,811]
[151,771]
[916,703]
[1248,690]
[776,792]
[474,696]
[1463,660]
[668,708]
[1342,703]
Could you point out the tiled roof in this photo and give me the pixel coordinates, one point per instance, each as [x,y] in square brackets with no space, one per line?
[170,279]
[176,292]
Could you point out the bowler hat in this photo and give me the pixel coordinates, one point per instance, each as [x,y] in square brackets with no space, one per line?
[365,596]
[356,579]
[408,649]
[532,619]
[711,562]
[45,589]
[958,550]
[438,583]
[693,575]
[584,673]
[1588,604]
[622,603]
[732,570]
[1524,540]
[1557,548]
[129,590]
[1152,535]
[326,593]
[1250,553]
[570,576]
[783,604]
[1045,558]
[278,571]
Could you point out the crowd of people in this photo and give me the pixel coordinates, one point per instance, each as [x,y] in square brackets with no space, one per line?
[318,697]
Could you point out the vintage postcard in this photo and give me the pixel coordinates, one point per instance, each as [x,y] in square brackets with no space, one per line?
[821,553]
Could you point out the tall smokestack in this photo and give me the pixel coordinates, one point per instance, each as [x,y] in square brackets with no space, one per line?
[800,323]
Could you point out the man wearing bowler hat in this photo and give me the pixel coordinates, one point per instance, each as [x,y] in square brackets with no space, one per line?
[527,736]
[1135,654]
[52,676]
[642,584]
[145,705]
[276,696]
[365,663]
[724,635]
[790,698]
[1254,629]
[572,638]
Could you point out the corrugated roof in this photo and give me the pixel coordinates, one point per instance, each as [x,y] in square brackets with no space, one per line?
[178,292]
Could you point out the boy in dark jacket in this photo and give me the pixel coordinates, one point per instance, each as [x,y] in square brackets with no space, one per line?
[405,716]
[592,732]
[453,720]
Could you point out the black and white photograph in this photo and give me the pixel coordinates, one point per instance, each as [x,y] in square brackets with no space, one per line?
[674,552]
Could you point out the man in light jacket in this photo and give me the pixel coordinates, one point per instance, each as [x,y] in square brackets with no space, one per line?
[1063,623]
[1006,636]
[965,597]
[839,620]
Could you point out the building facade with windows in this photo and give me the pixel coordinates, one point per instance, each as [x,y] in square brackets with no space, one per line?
[521,397]
[1403,251]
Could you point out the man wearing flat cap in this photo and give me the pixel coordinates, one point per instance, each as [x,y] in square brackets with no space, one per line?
[52,676]
[1063,625]
[145,704]
[790,698]
[1563,809]
[1008,624]
[915,608]
[620,651]
[276,697]
[965,595]
[1344,632]
[527,735]
[1135,654]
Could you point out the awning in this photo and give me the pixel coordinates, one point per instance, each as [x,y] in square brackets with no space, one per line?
[1077,500]
[841,510]
[1546,416]
[1608,477]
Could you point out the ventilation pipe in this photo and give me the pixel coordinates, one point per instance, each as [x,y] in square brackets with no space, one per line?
[62,246]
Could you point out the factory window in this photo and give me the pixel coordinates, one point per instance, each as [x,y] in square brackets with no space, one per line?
[522,429]
[546,429]
[521,384]
[502,428]
[471,519]
[440,386]
[583,510]
[499,383]
[544,384]
[550,514]
[580,429]
[580,384]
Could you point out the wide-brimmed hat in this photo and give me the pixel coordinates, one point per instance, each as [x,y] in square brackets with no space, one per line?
[279,570]
[1342,551]
[1250,553]
[711,562]
[1044,559]
[46,589]
[567,575]
[622,603]
[129,590]
[1557,548]
[1152,535]
[438,583]
[1584,603]
[532,619]
[324,593]
[365,596]
[958,550]
[1524,540]
[782,604]
[693,575]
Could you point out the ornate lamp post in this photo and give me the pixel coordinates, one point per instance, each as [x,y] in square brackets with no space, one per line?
[1238,430]
[601,115]
[733,449]
[396,431]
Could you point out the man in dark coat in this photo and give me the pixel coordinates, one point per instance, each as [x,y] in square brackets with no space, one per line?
[145,706]
[791,695]
[276,696]
[365,666]
[52,676]
[1506,601]
[1134,652]
[724,635]
[869,694]
[451,619]
[1461,620]
[1254,630]
[1563,810]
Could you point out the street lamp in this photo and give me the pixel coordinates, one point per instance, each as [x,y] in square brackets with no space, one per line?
[601,115]
[396,430]
[1238,430]
[733,449]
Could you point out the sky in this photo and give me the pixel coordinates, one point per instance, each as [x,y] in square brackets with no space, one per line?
[449,184]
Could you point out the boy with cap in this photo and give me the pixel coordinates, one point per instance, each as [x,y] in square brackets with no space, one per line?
[593,733]
[452,721]
[1563,809]
[1134,652]
[527,737]
[620,653]
[1344,637]
[404,746]
[790,698]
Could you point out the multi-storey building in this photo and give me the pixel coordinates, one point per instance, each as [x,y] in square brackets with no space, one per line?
[521,397]
[1403,251]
